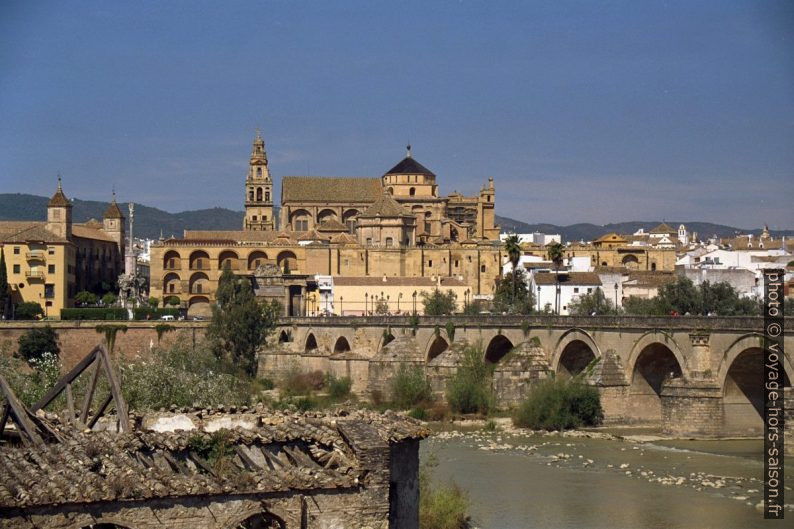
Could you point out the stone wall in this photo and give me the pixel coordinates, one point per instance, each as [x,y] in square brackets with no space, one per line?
[77,338]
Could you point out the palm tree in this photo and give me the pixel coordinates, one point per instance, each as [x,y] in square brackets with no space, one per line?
[513,249]
[555,252]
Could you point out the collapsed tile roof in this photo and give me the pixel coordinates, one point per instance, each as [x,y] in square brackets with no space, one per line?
[274,452]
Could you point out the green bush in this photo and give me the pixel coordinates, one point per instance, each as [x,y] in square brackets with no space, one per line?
[441,507]
[149,313]
[85,297]
[410,387]
[470,389]
[172,300]
[560,404]
[30,381]
[28,310]
[418,413]
[94,313]
[182,376]
[338,388]
[437,303]
[38,341]
[298,382]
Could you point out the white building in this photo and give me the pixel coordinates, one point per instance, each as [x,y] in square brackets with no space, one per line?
[538,238]
[571,284]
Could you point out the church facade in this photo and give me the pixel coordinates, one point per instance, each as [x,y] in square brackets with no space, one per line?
[395,225]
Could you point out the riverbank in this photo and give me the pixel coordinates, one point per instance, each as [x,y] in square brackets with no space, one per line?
[600,478]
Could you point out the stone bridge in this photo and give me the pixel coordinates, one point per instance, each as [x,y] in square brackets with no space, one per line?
[690,375]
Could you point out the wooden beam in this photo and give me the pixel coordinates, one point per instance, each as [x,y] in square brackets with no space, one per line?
[70,402]
[89,396]
[115,390]
[64,380]
[27,429]
[100,411]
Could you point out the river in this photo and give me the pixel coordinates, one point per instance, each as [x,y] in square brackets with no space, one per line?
[518,481]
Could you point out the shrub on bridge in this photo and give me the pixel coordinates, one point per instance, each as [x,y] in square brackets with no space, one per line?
[410,387]
[338,387]
[470,389]
[94,313]
[560,404]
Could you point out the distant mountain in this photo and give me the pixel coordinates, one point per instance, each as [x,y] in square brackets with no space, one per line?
[588,232]
[149,221]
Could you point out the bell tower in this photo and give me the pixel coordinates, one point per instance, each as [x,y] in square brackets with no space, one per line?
[258,190]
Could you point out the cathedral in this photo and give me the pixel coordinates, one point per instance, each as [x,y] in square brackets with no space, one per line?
[397,225]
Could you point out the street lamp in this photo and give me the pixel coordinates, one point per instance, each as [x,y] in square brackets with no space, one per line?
[414,296]
[399,297]
[466,300]
[538,298]
[341,308]
[616,296]
[366,297]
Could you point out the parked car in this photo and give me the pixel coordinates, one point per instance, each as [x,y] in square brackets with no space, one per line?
[167,317]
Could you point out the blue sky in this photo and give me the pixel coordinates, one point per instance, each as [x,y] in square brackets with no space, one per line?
[581,111]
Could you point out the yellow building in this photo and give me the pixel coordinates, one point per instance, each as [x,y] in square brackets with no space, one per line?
[48,262]
[393,226]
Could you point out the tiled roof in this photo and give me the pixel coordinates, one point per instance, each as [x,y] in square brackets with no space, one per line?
[662,228]
[59,199]
[35,232]
[396,281]
[611,237]
[568,278]
[385,206]
[410,166]
[329,189]
[85,231]
[312,235]
[332,225]
[275,452]
[113,211]
[344,239]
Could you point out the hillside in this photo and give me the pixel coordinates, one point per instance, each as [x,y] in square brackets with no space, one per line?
[149,221]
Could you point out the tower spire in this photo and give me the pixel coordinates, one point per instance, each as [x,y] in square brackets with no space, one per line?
[408,150]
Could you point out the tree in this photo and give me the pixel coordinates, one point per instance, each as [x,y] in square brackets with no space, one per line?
[513,249]
[555,253]
[109,298]
[684,297]
[381,307]
[238,324]
[512,293]
[172,300]
[437,303]
[681,296]
[153,302]
[3,284]
[28,310]
[85,297]
[593,303]
[37,341]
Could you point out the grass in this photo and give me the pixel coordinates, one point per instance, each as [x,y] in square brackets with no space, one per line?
[441,507]
[410,387]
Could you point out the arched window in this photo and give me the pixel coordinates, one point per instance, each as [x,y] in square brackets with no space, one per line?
[267,196]
[251,195]
[258,171]
[259,194]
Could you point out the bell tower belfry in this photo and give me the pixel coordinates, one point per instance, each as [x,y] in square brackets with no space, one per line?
[258,190]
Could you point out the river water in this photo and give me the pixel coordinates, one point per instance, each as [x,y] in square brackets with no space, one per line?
[518,481]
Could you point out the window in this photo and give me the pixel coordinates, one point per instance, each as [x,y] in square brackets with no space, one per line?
[427,227]
[171,263]
[253,218]
[16,250]
[653,267]
[589,290]
[198,288]
[482,269]
[51,269]
[412,191]
[430,262]
[576,290]
[267,196]
[389,242]
[259,194]
[456,263]
[49,291]
[302,225]
[171,288]
[51,251]
[251,195]
[369,241]
[16,268]
[258,171]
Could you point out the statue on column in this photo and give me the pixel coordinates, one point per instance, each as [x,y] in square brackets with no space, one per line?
[130,283]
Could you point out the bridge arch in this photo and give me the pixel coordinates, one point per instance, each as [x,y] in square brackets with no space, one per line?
[435,346]
[741,377]
[310,343]
[652,337]
[386,338]
[258,519]
[497,348]
[341,345]
[284,336]
[653,366]
[572,348]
